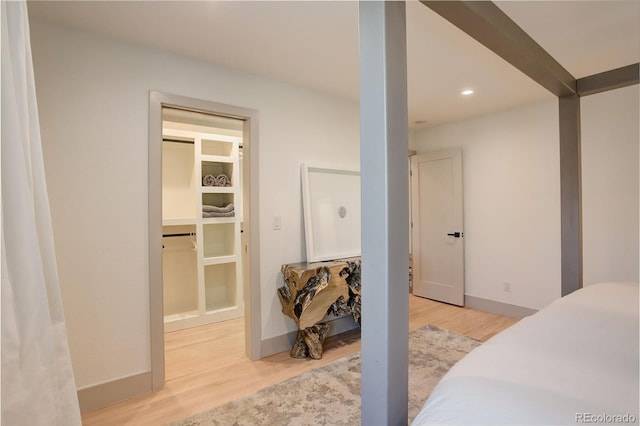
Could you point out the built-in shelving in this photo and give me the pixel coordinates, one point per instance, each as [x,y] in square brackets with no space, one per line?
[205,176]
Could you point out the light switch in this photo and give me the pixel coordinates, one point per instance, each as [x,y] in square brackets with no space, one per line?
[277,223]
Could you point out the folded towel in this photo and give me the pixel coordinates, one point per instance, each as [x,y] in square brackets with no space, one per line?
[218,214]
[215,209]
[209,180]
[223,180]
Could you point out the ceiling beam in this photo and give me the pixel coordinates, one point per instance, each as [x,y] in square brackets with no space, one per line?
[609,80]
[489,25]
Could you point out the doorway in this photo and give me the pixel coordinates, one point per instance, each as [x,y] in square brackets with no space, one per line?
[437,226]
[201,221]
[202,218]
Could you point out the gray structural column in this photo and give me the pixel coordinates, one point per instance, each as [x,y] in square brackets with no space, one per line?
[570,194]
[385,212]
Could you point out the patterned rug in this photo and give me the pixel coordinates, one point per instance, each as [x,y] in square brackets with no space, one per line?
[330,395]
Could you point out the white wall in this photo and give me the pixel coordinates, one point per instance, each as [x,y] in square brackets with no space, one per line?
[610,185]
[511,170]
[93,102]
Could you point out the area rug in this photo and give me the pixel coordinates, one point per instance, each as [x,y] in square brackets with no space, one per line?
[330,395]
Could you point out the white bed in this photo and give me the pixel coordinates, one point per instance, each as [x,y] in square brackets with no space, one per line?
[573,362]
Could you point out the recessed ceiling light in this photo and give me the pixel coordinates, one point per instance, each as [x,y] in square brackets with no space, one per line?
[467,92]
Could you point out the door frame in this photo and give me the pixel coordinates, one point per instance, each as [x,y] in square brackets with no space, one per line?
[415,217]
[251,249]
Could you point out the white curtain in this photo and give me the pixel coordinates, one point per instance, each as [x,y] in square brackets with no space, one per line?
[38,387]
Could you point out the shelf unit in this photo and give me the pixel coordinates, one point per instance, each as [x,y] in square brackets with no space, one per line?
[202,282]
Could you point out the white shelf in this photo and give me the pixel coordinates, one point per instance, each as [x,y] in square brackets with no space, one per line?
[221,286]
[217,158]
[179,221]
[219,260]
[229,309]
[219,220]
[218,189]
[181,316]
[225,314]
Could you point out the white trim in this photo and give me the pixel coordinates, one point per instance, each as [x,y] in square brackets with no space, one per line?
[500,308]
[103,394]
[251,261]
[283,342]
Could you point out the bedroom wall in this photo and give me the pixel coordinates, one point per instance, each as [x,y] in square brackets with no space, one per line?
[93,102]
[511,201]
[610,135]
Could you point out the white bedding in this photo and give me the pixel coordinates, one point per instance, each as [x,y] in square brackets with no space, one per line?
[573,362]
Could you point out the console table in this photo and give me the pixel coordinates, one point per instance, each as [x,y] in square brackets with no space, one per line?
[313,290]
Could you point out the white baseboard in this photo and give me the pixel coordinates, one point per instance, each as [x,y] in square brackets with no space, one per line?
[98,396]
[500,308]
[284,342]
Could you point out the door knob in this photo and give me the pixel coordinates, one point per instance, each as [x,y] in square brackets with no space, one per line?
[455,234]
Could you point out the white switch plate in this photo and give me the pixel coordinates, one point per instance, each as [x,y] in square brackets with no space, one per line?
[277,223]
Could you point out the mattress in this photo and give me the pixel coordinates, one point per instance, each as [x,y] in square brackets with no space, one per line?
[573,362]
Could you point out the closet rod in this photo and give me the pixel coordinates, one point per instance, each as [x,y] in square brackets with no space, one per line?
[186,234]
[177,141]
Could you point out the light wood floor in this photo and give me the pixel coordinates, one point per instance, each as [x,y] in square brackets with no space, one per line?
[206,366]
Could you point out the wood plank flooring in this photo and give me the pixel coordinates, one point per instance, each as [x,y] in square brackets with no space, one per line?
[206,366]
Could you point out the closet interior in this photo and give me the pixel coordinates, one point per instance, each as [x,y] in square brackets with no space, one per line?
[201,218]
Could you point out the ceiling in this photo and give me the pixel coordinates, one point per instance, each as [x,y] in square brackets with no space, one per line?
[315,44]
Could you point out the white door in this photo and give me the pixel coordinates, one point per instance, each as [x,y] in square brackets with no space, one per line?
[437,233]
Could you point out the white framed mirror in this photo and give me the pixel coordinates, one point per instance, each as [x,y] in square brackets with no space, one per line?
[331,203]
